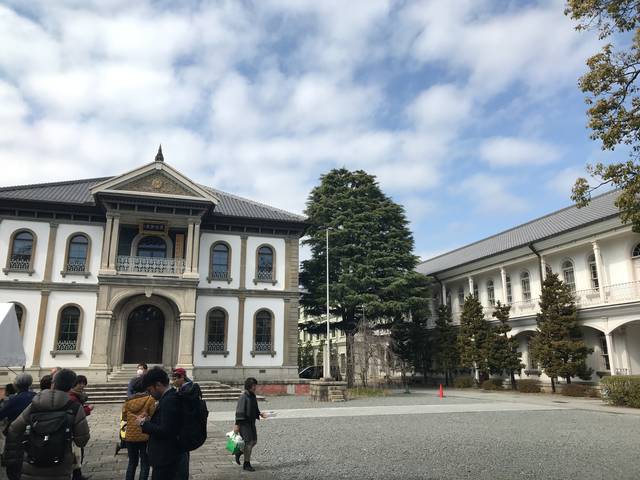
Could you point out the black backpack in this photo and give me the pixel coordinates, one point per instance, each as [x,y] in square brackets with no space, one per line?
[49,434]
[194,413]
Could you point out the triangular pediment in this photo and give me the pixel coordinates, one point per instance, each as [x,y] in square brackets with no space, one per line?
[156,179]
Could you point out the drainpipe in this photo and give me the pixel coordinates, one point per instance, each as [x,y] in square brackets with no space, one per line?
[539,263]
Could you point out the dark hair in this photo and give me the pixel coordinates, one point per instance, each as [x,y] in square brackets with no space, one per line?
[64,380]
[250,382]
[45,382]
[81,379]
[138,385]
[143,365]
[155,375]
[9,389]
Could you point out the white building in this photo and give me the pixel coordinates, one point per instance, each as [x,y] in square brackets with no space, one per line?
[589,248]
[151,267]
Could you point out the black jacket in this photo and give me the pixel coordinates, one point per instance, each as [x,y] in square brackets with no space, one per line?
[163,429]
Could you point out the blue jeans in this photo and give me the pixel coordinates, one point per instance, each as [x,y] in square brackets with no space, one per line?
[137,451]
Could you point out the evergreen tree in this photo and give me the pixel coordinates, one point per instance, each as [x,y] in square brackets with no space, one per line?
[558,346]
[445,345]
[370,255]
[474,337]
[504,357]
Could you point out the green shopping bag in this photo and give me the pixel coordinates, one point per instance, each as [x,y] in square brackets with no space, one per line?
[235,443]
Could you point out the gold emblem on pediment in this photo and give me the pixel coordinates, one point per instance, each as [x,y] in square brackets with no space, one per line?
[157,183]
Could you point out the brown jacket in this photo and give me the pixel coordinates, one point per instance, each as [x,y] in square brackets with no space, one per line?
[50,400]
[140,403]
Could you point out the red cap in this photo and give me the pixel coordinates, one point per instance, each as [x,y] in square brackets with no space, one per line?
[180,371]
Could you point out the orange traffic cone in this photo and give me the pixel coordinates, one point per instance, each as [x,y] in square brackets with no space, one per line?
[441,393]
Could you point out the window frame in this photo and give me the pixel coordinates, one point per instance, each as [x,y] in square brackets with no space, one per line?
[30,271]
[564,269]
[460,291]
[225,351]
[527,297]
[24,317]
[491,292]
[604,351]
[636,248]
[228,278]
[508,287]
[77,351]
[170,251]
[87,262]
[273,279]
[593,269]
[271,352]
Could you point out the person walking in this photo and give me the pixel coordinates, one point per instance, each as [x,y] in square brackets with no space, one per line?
[247,412]
[50,425]
[11,409]
[79,396]
[139,404]
[163,427]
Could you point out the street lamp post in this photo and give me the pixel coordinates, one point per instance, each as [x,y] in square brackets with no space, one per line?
[327,349]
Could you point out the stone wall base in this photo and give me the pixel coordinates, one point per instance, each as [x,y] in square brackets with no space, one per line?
[320,389]
[237,375]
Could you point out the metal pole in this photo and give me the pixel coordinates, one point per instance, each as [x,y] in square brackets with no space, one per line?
[327,344]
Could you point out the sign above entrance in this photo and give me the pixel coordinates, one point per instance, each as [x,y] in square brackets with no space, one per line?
[153,227]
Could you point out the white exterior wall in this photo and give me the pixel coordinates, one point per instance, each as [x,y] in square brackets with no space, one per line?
[206,241]
[278,246]
[41,230]
[87,302]
[30,300]
[252,305]
[203,305]
[65,231]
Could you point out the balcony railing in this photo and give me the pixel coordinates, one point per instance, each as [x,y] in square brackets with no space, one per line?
[150,265]
[611,295]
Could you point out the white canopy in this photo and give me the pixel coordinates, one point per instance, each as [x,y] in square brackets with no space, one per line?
[11,349]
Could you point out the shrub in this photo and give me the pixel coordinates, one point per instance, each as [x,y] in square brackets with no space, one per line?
[528,386]
[621,390]
[492,384]
[576,390]
[464,382]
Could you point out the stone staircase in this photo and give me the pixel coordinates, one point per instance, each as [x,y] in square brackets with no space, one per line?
[336,394]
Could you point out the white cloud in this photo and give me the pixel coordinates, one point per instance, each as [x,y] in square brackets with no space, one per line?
[441,107]
[490,194]
[510,152]
[563,181]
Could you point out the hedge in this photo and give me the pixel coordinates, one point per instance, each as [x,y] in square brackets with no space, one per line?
[577,390]
[621,390]
[492,384]
[528,386]
[464,382]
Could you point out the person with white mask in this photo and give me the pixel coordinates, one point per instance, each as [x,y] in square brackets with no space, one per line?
[142,369]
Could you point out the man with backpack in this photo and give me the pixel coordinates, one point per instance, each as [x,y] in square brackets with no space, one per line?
[48,427]
[193,432]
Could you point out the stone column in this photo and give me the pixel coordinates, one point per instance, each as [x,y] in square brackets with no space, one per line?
[113,247]
[185,344]
[101,336]
[243,262]
[106,241]
[240,343]
[503,279]
[599,270]
[444,294]
[189,253]
[611,353]
[196,249]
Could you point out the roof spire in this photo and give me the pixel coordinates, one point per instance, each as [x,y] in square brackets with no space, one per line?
[159,156]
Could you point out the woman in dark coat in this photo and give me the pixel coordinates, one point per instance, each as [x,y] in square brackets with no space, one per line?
[247,412]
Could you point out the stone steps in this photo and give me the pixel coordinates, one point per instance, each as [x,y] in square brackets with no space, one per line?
[117,392]
[336,394]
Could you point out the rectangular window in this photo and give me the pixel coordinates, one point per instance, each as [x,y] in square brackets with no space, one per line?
[594,275]
[605,352]
[526,289]
[509,295]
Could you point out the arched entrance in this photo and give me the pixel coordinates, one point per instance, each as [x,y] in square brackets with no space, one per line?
[145,335]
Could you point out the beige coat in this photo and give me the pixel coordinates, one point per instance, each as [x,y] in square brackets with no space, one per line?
[139,404]
[50,400]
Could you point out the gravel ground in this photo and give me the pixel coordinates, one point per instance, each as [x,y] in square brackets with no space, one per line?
[496,445]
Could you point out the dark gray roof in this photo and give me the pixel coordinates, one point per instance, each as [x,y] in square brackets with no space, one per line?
[600,208]
[78,192]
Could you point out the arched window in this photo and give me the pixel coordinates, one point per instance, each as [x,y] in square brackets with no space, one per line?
[491,294]
[21,251]
[152,246]
[263,332]
[636,251]
[525,283]
[68,336]
[593,271]
[264,264]
[216,331]
[220,262]
[19,315]
[460,296]
[508,285]
[567,274]
[77,254]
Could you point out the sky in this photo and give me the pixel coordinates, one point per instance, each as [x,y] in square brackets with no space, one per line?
[467,111]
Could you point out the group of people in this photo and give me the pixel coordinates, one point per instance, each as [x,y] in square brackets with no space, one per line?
[161,423]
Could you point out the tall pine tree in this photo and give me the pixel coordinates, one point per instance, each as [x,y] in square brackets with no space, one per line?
[504,357]
[445,346]
[558,346]
[474,337]
[370,255]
